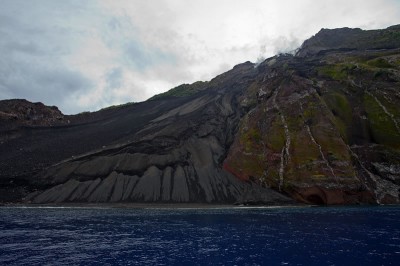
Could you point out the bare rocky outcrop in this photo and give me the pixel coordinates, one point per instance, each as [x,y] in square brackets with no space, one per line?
[24,113]
[18,113]
[348,39]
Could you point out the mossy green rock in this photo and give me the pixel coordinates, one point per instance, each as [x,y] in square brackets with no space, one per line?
[329,122]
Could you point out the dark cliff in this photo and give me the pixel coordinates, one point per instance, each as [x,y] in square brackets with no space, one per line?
[319,127]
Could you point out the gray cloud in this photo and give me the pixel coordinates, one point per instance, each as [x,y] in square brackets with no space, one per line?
[85,55]
[114,78]
[284,44]
[142,57]
[39,82]
[34,46]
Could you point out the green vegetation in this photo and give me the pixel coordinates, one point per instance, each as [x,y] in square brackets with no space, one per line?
[379,63]
[376,65]
[250,139]
[382,126]
[341,109]
[309,110]
[182,90]
[117,106]
[374,39]
[303,149]
[318,177]
[276,137]
[336,71]
[84,113]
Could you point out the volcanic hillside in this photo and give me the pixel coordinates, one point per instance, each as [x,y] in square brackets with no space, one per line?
[321,126]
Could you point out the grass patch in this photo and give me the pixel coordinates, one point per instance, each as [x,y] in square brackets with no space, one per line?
[341,109]
[336,71]
[117,106]
[382,126]
[182,90]
[379,63]
[251,140]
[276,136]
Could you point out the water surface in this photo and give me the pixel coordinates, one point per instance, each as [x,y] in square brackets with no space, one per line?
[225,236]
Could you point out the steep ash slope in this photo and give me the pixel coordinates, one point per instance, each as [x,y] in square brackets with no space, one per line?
[174,155]
[26,150]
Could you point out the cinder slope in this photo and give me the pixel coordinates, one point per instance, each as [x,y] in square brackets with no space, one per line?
[175,157]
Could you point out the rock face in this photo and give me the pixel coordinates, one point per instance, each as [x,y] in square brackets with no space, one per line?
[322,127]
[346,39]
[18,113]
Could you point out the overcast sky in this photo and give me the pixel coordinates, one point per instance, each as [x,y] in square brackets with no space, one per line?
[86,55]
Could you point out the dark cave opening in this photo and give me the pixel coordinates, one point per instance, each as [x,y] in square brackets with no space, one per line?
[316,199]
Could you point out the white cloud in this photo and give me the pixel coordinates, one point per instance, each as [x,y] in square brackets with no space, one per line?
[111,52]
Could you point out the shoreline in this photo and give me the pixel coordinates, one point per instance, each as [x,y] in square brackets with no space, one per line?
[137,205]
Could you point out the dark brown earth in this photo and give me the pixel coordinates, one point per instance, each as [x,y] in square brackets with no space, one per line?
[320,127]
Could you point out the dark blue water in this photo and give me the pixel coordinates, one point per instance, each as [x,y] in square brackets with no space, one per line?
[283,236]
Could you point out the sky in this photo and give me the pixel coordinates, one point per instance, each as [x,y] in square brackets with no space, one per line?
[87,55]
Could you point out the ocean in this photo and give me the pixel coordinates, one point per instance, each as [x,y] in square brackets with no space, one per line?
[209,236]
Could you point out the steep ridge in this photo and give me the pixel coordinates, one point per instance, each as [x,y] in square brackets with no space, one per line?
[321,126]
[325,126]
[347,39]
